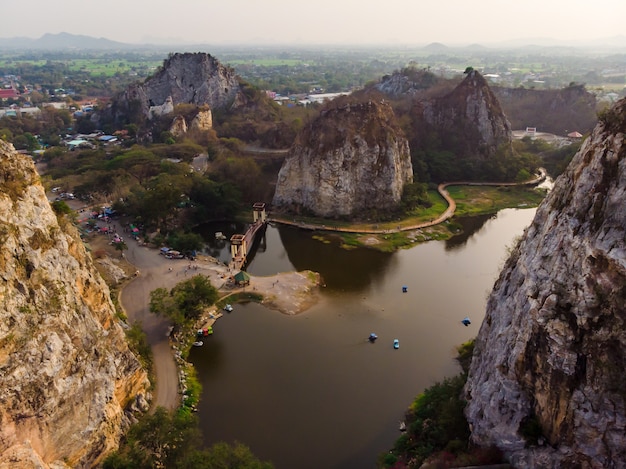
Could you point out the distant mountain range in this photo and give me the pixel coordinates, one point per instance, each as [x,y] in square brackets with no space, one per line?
[74,42]
[64,41]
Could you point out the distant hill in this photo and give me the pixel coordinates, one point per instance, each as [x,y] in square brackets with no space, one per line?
[63,41]
[436,47]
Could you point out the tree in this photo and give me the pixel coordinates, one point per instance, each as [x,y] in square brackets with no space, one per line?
[121,247]
[185,301]
[174,440]
[186,242]
[61,208]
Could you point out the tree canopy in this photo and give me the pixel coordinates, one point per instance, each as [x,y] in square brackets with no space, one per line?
[174,441]
[185,301]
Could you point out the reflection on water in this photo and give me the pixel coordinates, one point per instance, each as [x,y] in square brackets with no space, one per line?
[341,269]
[469,226]
[310,391]
[219,248]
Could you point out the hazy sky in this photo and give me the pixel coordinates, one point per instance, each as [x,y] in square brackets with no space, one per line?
[317,21]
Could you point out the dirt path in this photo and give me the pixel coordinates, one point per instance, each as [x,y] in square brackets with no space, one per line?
[135,298]
[289,293]
[448,213]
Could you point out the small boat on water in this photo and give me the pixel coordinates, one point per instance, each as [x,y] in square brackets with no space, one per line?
[228,308]
[402,427]
[198,343]
[396,343]
[466,321]
[372,337]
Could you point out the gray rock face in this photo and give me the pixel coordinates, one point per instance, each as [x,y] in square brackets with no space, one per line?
[472,113]
[552,347]
[184,78]
[66,371]
[351,160]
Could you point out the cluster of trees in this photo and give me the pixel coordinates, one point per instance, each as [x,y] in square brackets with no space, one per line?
[174,441]
[157,186]
[184,303]
[28,132]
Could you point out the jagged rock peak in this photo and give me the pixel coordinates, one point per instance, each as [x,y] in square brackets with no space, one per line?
[66,370]
[190,78]
[406,82]
[547,382]
[474,113]
[351,160]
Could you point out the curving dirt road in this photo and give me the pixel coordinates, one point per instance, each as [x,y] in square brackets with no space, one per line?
[288,292]
[448,213]
[135,298]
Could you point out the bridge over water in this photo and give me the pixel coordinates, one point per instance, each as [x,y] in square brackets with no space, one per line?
[241,244]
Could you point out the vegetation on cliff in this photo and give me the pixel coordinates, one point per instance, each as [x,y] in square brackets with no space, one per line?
[436,429]
[174,441]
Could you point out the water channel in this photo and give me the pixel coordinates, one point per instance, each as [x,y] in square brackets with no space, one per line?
[310,391]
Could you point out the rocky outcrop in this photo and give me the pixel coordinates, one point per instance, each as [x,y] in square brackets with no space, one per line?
[547,382]
[161,110]
[471,115]
[351,161]
[66,372]
[557,111]
[178,128]
[406,82]
[188,78]
[203,121]
[456,131]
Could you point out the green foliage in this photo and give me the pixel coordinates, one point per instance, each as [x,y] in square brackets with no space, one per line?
[434,419]
[138,162]
[415,195]
[120,246]
[184,151]
[241,172]
[26,141]
[185,302]
[174,441]
[138,342]
[464,354]
[185,242]
[61,208]
[436,424]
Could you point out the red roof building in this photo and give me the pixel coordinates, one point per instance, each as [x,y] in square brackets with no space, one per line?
[8,93]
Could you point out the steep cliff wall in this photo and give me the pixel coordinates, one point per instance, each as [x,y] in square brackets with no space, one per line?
[547,382]
[556,111]
[471,116]
[352,160]
[66,373]
[187,78]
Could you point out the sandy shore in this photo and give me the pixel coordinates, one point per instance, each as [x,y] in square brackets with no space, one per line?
[289,293]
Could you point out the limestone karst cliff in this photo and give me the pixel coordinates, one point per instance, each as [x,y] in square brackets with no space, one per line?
[472,118]
[351,161]
[185,78]
[558,111]
[67,375]
[456,130]
[547,382]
